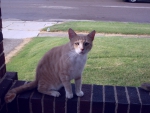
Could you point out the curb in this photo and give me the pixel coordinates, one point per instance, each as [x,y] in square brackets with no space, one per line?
[65,34]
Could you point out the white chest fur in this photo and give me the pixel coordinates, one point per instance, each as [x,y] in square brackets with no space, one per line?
[77,65]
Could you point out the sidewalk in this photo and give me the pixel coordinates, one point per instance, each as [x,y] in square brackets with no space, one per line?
[65,34]
[23,29]
[15,32]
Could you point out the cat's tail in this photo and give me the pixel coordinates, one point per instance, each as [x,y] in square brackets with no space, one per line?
[11,94]
[145,86]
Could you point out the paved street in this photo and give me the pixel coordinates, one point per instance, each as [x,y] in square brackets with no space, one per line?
[60,10]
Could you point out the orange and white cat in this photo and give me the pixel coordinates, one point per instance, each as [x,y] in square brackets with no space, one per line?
[58,67]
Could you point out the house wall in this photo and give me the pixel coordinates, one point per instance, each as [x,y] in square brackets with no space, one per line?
[2,56]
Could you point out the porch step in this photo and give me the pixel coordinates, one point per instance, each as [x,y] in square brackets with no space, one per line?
[96,99]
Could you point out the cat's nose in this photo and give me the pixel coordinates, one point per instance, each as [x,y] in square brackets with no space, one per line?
[82,49]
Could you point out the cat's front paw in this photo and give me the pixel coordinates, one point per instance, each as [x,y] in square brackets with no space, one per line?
[80,94]
[69,95]
[55,93]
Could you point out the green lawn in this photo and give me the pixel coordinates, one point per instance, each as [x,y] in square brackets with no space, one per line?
[112,60]
[103,27]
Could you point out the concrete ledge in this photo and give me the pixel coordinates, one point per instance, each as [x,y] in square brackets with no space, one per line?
[65,35]
[97,99]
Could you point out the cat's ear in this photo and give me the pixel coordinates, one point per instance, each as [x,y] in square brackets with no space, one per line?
[92,35]
[71,33]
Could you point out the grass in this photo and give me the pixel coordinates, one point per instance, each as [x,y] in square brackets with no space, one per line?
[103,27]
[112,60]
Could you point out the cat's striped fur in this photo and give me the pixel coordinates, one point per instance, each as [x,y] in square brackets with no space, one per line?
[59,66]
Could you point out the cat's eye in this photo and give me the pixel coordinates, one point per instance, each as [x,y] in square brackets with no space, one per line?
[77,43]
[86,43]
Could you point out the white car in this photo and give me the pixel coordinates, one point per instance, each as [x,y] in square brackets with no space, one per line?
[133,1]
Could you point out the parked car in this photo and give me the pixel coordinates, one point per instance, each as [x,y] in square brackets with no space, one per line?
[133,1]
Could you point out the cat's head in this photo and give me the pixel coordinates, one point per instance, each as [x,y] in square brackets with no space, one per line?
[82,44]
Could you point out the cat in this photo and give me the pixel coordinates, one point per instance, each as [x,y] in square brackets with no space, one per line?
[58,67]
